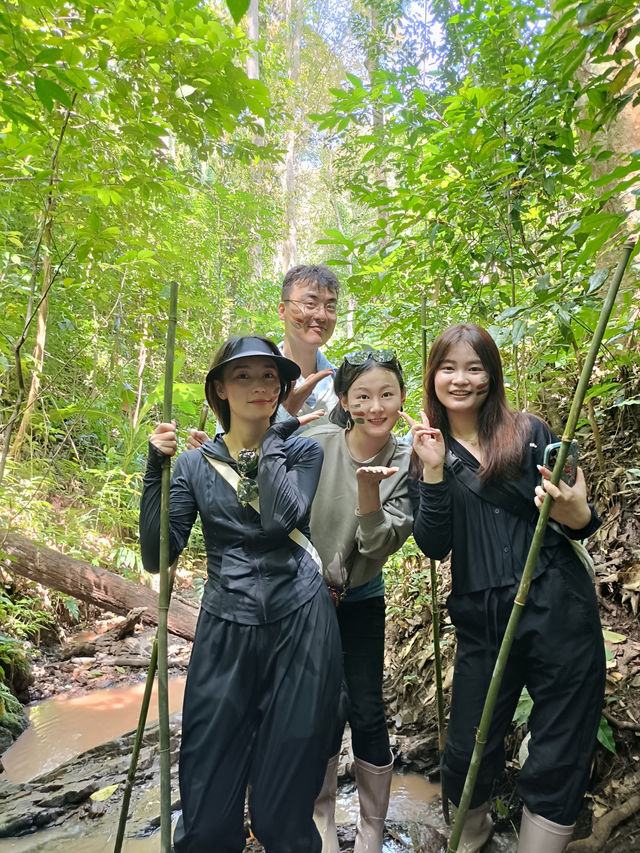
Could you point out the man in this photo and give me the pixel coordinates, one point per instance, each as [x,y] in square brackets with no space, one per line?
[308,309]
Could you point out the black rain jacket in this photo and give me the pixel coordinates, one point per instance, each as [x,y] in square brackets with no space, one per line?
[256,573]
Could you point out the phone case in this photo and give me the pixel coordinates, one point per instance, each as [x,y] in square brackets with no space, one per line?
[570,470]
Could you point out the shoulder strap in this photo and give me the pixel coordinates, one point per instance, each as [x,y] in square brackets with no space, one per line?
[232,477]
[515,505]
[493,495]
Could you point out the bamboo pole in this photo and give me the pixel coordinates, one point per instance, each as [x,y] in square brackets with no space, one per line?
[162,633]
[144,708]
[435,608]
[532,557]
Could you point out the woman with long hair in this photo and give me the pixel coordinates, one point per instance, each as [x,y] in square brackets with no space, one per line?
[265,670]
[361,514]
[480,484]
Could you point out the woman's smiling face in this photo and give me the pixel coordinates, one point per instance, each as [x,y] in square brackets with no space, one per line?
[461,380]
[251,386]
[374,399]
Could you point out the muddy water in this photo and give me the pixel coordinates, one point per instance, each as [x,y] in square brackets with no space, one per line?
[63,727]
[68,725]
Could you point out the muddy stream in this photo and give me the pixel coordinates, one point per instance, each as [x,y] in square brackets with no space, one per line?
[65,726]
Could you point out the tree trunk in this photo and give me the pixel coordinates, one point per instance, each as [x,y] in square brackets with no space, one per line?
[253,72]
[41,338]
[290,247]
[89,583]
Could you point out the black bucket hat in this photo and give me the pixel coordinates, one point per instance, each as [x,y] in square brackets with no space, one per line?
[248,347]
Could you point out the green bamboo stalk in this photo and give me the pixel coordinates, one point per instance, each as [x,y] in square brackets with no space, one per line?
[532,557]
[435,609]
[144,708]
[163,598]
[438,662]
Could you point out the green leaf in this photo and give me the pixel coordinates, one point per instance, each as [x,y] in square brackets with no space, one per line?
[48,92]
[597,280]
[605,736]
[523,708]
[590,13]
[612,637]
[103,793]
[238,9]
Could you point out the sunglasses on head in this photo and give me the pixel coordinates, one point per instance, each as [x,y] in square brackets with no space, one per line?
[361,356]
[247,489]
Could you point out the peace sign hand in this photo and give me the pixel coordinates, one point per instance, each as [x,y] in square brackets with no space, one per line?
[428,444]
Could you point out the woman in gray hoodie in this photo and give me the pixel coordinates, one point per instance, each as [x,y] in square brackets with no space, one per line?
[361,514]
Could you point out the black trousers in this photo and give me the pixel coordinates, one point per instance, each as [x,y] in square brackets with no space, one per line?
[558,654]
[362,634]
[259,711]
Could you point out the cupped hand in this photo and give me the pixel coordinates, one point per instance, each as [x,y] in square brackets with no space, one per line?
[570,505]
[428,442]
[164,438]
[294,401]
[372,475]
[196,439]
[310,417]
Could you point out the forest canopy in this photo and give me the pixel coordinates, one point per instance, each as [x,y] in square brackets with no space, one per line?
[452,161]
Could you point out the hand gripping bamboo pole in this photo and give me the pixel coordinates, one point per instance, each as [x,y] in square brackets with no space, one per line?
[534,551]
[144,708]
[161,639]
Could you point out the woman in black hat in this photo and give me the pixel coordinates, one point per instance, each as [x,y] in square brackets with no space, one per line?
[265,668]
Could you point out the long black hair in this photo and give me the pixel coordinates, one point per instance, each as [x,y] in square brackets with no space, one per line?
[502,431]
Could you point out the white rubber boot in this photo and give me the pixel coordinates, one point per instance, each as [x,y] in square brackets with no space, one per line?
[374,787]
[478,828]
[324,809]
[539,835]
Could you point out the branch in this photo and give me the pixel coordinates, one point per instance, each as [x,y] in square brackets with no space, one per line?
[621,724]
[603,827]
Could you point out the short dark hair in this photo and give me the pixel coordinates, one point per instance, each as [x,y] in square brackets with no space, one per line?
[347,374]
[220,406]
[319,275]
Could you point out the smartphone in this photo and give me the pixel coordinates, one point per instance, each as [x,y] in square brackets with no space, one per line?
[570,470]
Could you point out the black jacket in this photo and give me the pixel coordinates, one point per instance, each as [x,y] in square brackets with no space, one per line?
[489,546]
[256,573]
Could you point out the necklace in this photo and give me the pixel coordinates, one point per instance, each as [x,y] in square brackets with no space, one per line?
[474,442]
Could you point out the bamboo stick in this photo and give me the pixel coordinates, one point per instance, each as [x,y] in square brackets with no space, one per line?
[532,557]
[435,608]
[144,708]
[162,633]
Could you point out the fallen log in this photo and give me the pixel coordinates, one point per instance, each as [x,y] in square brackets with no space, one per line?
[105,589]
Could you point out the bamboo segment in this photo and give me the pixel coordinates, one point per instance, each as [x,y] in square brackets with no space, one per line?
[532,557]
[434,586]
[144,708]
[163,602]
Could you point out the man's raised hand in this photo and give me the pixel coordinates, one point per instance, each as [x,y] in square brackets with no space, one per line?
[298,394]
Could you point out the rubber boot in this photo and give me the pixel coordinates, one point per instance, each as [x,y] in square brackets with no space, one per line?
[478,828]
[324,810]
[539,835]
[374,787]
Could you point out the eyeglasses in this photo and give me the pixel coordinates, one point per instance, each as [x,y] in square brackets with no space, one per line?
[247,489]
[308,306]
[361,356]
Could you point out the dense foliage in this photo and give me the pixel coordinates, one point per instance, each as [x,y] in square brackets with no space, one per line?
[460,158]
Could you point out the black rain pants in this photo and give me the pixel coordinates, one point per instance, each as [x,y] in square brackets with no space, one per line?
[259,711]
[362,634]
[558,654]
